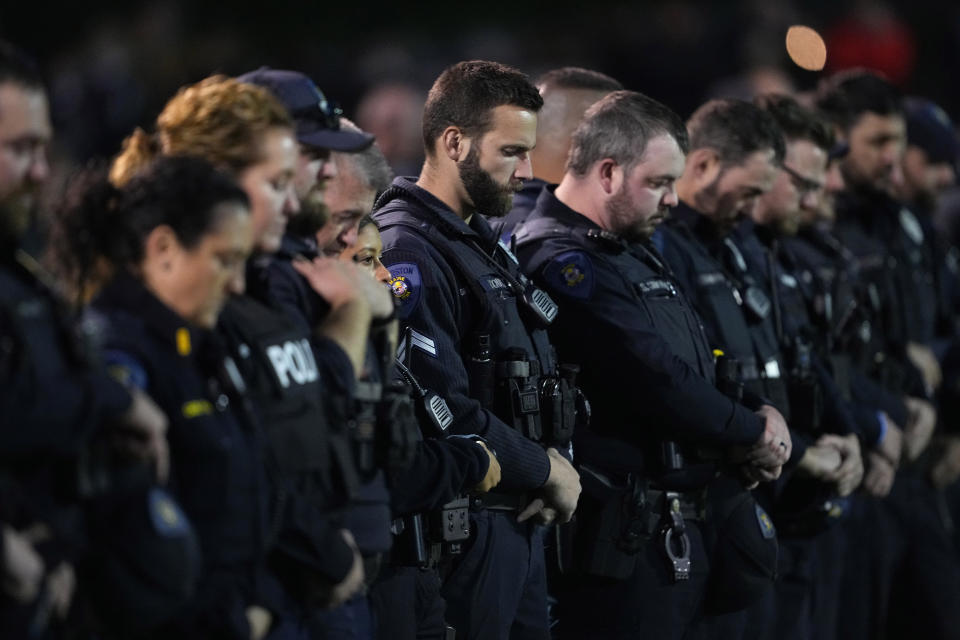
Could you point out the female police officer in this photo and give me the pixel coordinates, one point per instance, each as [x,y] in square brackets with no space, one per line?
[175,240]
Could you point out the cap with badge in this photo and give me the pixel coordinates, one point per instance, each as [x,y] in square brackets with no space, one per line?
[929,127]
[317,119]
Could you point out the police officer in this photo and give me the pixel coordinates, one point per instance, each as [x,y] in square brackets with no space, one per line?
[156,316]
[887,242]
[475,333]
[53,397]
[567,93]
[659,426]
[734,151]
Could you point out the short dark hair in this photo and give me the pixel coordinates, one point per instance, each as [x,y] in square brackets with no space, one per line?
[797,122]
[846,96]
[619,126]
[18,68]
[578,78]
[465,94]
[734,129]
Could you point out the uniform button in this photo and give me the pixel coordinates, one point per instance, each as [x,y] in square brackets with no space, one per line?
[223,402]
[244,351]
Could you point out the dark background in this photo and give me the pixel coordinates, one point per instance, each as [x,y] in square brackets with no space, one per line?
[111,65]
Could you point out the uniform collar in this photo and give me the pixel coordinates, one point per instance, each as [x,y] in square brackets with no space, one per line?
[291,246]
[434,209]
[550,206]
[127,293]
[699,223]
[871,209]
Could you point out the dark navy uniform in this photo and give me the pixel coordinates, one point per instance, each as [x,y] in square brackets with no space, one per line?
[467,339]
[871,227]
[217,469]
[805,509]
[649,371]
[737,318]
[915,572]
[52,399]
[309,454]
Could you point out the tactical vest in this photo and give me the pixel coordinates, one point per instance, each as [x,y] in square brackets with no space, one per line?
[740,315]
[510,362]
[277,361]
[647,279]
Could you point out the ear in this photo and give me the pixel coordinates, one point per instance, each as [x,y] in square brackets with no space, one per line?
[703,165]
[453,143]
[161,248]
[609,175]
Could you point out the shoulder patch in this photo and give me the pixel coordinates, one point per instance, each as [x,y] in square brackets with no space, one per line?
[571,274]
[126,369]
[405,285]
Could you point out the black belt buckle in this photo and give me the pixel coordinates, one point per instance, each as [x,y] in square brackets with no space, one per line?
[674,533]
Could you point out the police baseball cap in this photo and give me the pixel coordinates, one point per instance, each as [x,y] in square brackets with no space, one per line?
[929,127]
[317,119]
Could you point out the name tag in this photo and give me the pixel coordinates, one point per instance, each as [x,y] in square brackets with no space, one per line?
[657,287]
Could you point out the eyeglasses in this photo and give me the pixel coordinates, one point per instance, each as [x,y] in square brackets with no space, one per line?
[803,184]
[323,111]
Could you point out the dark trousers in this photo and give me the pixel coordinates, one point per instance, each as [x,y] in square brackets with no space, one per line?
[902,573]
[407,604]
[498,589]
[350,621]
[649,604]
[925,597]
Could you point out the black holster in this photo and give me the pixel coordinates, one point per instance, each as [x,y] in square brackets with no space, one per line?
[612,523]
[424,540]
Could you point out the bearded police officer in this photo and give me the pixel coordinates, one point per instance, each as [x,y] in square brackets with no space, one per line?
[659,426]
[475,332]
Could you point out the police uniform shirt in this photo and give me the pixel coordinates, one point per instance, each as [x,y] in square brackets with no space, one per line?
[792,294]
[439,307]
[889,245]
[281,287]
[53,397]
[691,245]
[278,364]
[217,471]
[645,362]
[830,270]
[40,359]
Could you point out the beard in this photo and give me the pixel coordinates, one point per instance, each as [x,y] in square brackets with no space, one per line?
[489,198]
[622,213]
